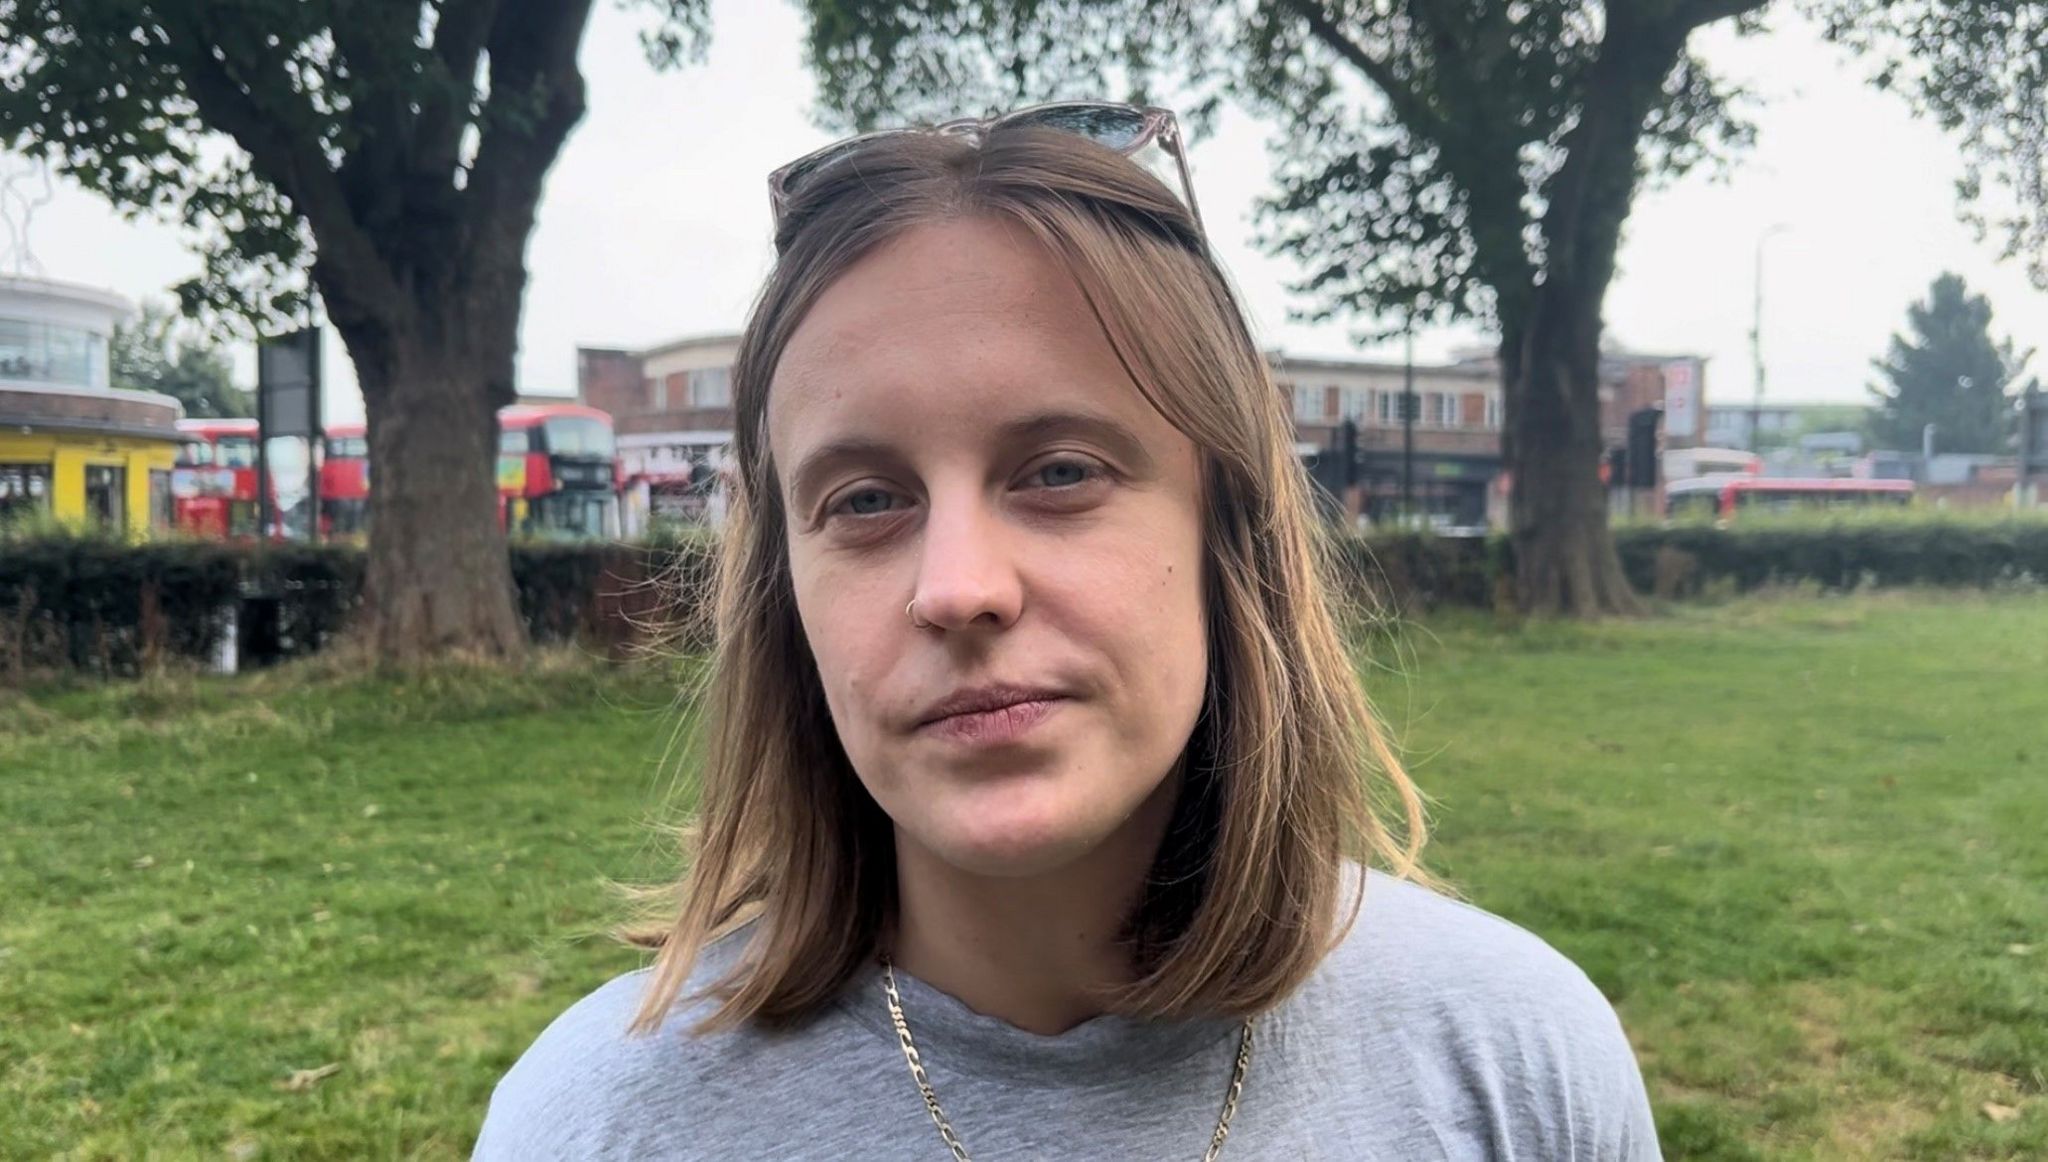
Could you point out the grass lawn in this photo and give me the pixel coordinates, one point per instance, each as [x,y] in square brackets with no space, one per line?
[1802,843]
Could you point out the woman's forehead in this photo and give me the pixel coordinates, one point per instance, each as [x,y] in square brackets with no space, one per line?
[952,326]
[957,286]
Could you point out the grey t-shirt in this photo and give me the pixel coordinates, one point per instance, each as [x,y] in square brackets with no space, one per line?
[1434,1031]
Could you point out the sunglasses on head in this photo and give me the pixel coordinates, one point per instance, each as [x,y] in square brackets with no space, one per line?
[1123,128]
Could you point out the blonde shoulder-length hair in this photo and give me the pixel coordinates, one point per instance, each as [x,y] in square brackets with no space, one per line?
[1287,775]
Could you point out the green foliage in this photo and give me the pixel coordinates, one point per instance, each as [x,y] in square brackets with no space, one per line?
[1980,69]
[1799,843]
[1835,554]
[386,154]
[156,353]
[1413,573]
[1419,143]
[1433,161]
[375,136]
[104,608]
[1948,372]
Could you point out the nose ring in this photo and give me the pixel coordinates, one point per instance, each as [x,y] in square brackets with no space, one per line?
[911,611]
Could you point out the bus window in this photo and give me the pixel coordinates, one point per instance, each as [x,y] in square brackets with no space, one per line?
[568,516]
[235,452]
[580,436]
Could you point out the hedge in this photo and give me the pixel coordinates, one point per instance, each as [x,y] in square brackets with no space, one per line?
[105,608]
[1685,560]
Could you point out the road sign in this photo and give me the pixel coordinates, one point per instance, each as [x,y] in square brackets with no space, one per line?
[288,406]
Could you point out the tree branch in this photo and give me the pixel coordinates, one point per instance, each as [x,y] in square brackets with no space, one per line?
[536,98]
[377,106]
[1407,104]
[295,166]
[458,47]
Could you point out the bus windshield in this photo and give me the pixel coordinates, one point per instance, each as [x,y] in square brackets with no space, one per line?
[580,436]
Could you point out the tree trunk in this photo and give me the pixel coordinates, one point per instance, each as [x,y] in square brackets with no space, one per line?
[1565,561]
[439,577]
[1550,347]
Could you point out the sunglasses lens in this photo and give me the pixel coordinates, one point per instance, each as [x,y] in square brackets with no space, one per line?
[1119,127]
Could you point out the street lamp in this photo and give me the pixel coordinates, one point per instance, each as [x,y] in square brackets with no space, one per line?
[1756,337]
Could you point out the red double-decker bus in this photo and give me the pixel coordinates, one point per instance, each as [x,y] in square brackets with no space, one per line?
[558,471]
[213,483]
[557,474]
[345,482]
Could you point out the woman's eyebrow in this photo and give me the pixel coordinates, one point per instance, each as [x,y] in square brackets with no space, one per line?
[821,460]
[1119,439]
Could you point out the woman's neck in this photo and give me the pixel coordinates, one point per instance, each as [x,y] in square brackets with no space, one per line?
[1041,952]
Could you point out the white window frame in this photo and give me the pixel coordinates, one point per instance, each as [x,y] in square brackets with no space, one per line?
[1447,409]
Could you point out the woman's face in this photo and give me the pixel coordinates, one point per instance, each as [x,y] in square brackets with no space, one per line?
[949,425]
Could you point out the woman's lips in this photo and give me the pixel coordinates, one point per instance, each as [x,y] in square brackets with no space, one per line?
[1005,724]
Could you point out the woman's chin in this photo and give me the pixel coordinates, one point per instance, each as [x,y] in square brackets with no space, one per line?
[1012,844]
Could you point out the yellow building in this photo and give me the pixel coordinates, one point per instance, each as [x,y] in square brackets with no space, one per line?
[71,447]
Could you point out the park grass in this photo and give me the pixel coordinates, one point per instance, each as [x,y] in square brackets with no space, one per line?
[1802,843]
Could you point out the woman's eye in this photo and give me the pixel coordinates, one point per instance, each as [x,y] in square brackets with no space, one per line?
[867,502]
[1063,473]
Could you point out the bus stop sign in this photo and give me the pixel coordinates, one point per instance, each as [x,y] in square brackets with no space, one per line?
[288,407]
[288,385]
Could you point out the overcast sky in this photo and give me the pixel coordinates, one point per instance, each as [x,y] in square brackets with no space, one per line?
[655,221]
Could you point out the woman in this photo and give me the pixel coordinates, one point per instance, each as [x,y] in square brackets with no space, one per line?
[1037,785]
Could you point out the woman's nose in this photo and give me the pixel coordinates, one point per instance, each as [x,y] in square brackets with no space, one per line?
[967,572]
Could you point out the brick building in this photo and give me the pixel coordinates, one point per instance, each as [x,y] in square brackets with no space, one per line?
[1456,435]
[673,409]
[671,406]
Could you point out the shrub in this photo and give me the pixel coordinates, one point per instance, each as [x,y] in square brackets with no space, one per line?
[1837,555]
[104,608]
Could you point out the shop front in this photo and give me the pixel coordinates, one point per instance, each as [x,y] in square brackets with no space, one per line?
[73,451]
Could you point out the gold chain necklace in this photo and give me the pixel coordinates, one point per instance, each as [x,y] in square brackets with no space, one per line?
[952,1140]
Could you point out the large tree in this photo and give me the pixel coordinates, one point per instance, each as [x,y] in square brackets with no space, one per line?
[384,155]
[1947,371]
[1435,160]
[1467,158]
[157,352]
